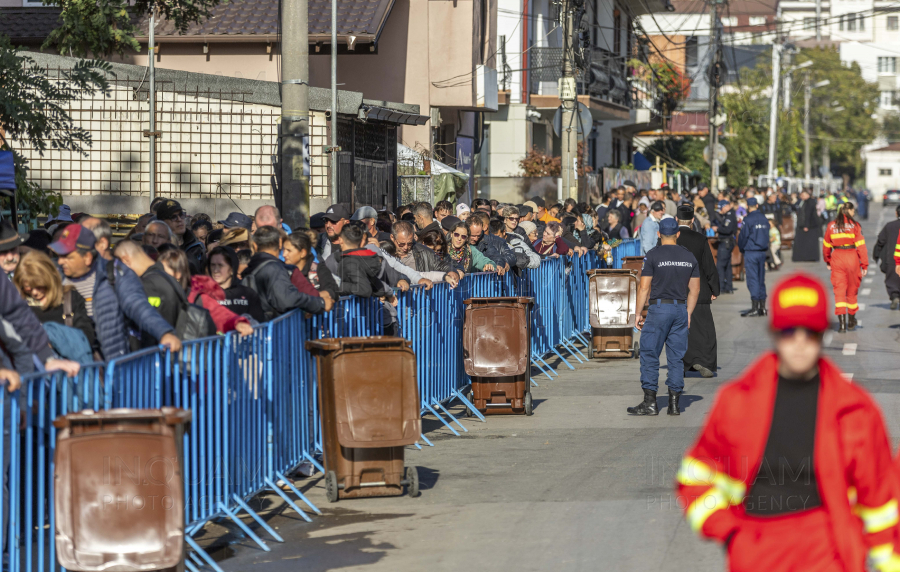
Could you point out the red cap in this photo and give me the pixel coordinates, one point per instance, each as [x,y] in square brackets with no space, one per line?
[799,301]
[73,237]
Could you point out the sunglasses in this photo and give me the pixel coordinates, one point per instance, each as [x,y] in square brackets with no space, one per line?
[791,332]
[512,218]
[457,235]
[406,244]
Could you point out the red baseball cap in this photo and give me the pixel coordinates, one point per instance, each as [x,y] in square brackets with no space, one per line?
[799,301]
[73,236]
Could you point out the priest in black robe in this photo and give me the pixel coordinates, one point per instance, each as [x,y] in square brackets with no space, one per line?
[702,353]
[808,230]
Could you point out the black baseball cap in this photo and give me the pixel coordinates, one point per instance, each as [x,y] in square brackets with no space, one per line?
[658,206]
[168,209]
[629,183]
[337,212]
[317,220]
[449,222]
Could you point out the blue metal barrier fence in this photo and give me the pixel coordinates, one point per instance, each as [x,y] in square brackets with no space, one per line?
[254,402]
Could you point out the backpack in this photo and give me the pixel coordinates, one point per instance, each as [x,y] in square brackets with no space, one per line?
[250,282]
[195,321]
[69,343]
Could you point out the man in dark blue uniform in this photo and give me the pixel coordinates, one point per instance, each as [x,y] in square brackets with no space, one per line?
[670,279]
[754,243]
[726,225]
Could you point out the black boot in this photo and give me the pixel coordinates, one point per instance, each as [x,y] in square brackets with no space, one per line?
[758,310]
[761,305]
[842,324]
[895,303]
[851,322]
[673,403]
[746,313]
[647,406]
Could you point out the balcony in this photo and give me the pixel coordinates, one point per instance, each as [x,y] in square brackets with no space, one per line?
[604,86]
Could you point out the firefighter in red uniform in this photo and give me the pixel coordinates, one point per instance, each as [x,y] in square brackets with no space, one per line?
[792,470]
[844,250]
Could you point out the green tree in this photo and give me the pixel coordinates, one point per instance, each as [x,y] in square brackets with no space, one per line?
[33,107]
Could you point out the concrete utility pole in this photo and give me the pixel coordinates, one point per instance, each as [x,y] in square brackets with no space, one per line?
[713,48]
[773,109]
[807,93]
[151,132]
[334,145]
[569,99]
[818,20]
[294,203]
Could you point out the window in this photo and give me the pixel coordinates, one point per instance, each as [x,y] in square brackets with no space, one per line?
[617,32]
[841,23]
[892,23]
[861,23]
[690,52]
[757,20]
[885,172]
[887,64]
[887,99]
[851,23]
[729,21]
[809,23]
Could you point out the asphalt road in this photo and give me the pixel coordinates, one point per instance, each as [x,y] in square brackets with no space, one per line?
[578,486]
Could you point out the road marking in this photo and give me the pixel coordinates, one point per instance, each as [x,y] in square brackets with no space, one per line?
[862,307]
[848,376]
[867,280]
[828,337]
[865,291]
[849,350]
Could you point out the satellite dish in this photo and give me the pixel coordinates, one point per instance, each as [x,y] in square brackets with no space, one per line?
[583,120]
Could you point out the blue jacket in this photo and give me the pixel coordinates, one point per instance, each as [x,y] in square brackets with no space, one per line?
[754,232]
[497,250]
[16,313]
[112,305]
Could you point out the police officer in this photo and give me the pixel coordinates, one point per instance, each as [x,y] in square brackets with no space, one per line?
[670,279]
[726,225]
[754,243]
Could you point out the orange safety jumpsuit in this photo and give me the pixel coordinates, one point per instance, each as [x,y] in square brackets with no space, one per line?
[855,476]
[844,249]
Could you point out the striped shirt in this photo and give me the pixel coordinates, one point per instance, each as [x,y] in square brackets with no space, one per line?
[85,287]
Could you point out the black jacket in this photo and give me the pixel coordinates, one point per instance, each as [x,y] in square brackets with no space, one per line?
[195,251]
[885,246]
[80,318]
[15,310]
[166,295]
[497,250]
[698,244]
[359,271]
[319,275]
[426,261]
[271,280]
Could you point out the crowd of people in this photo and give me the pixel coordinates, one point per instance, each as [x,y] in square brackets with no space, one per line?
[78,294]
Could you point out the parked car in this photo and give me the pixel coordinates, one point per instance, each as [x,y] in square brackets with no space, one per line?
[892,197]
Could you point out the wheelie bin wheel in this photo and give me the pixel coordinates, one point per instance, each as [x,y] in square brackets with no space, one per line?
[412,477]
[591,350]
[331,486]
[469,411]
[529,404]
[637,350]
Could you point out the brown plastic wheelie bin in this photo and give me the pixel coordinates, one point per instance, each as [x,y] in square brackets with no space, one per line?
[613,301]
[370,411]
[497,354]
[119,489]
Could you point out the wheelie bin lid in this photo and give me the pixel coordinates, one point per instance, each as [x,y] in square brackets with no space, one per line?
[497,337]
[499,299]
[613,298]
[118,484]
[376,393]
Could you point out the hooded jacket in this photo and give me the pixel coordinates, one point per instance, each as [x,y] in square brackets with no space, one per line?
[211,294]
[517,244]
[497,250]
[271,279]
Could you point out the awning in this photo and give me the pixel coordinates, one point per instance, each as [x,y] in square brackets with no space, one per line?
[393,116]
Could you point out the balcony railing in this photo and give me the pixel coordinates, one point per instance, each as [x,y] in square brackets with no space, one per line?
[604,78]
